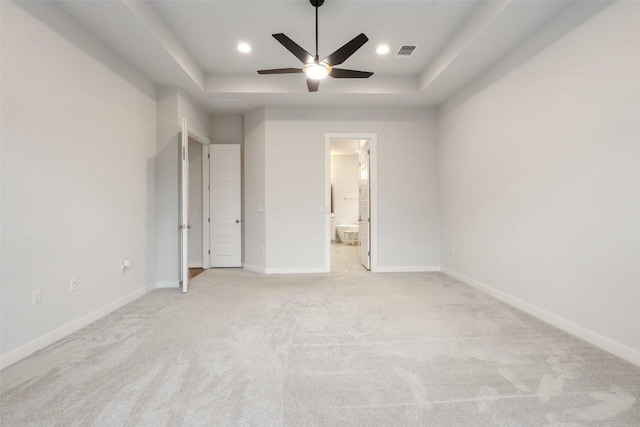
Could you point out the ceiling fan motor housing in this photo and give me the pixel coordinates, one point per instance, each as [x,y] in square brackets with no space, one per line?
[316,3]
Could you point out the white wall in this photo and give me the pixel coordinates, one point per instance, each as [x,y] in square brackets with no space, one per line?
[195,204]
[167,187]
[345,180]
[173,105]
[295,185]
[197,117]
[227,129]
[539,182]
[78,132]
[254,190]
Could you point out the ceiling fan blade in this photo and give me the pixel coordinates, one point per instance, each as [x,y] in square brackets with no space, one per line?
[293,47]
[341,73]
[313,85]
[281,71]
[341,55]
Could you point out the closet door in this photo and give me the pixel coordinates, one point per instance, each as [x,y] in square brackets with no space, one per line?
[226,227]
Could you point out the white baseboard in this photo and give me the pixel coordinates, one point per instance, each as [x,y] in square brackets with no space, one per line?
[312,270]
[195,265]
[57,334]
[254,268]
[408,269]
[164,285]
[594,338]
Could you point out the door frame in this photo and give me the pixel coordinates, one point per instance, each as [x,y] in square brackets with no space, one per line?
[372,138]
[205,141]
[206,153]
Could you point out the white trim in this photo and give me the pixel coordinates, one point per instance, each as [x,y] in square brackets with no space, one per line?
[594,338]
[409,269]
[167,285]
[205,142]
[194,134]
[184,206]
[195,265]
[201,138]
[311,270]
[254,268]
[63,331]
[373,186]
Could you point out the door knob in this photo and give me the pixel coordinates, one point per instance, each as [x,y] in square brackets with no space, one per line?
[188,226]
[237,221]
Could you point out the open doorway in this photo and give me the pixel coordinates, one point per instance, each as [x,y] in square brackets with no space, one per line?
[351,196]
[192,140]
[197,204]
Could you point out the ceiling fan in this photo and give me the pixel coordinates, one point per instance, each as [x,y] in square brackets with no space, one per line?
[315,69]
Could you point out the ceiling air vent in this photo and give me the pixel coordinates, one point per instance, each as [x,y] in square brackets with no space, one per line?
[406,51]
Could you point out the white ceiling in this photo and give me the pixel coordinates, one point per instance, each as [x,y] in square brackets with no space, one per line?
[345,147]
[192,45]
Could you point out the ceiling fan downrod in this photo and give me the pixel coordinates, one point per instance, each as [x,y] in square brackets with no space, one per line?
[316,4]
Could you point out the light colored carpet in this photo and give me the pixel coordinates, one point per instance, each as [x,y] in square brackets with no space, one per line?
[343,349]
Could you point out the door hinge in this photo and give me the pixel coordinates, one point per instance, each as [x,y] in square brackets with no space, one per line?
[368,151]
[208,219]
[208,156]
[368,253]
[209,251]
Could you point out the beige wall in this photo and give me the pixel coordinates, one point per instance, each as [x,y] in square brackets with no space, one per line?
[539,183]
[78,186]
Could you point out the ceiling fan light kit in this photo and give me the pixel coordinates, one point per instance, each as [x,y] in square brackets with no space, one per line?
[315,69]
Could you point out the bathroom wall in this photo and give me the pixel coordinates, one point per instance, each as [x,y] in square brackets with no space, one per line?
[344,177]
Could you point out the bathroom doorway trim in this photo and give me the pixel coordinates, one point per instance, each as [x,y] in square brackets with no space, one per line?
[372,138]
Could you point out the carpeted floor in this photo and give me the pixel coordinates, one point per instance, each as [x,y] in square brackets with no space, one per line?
[342,349]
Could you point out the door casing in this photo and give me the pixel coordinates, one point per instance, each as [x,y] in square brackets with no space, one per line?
[186,132]
[372,138]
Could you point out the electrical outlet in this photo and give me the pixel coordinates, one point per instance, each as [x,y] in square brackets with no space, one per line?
[126,264]
[73,284]
[35,296]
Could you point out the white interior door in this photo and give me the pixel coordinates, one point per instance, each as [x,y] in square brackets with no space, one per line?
[364,211]
[184,226]
[226,230]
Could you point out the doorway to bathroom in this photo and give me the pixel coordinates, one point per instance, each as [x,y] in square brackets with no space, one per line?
[351,188]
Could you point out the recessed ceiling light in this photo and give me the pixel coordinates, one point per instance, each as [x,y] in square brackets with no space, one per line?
[244,48]
[382,49]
